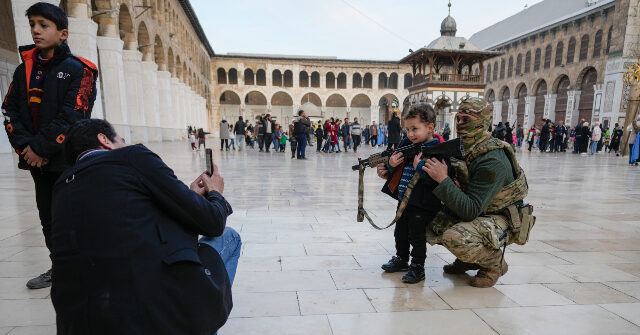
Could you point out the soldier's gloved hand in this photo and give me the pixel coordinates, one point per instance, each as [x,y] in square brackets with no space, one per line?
[382,171]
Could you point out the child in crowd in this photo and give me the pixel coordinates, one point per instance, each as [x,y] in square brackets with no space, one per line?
[422,204]
[51,90]
[283,142]
[192,139]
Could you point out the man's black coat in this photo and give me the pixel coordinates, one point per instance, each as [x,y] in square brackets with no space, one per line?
[394,130]
[124,251]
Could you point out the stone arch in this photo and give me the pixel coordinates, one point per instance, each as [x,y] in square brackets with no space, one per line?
[408,80]
[315,79]
[312,97]
[287,78]
[303,79]
[249,78]
[106,23]
[230,97]
[126,28]
[261,77]
[587,79]
[393,80]
[556,82]
[538,82]
[336,99]
[519,87]
[383,80]
[330,80]
[144,43]
[255,98]
[159,54]
[360,100]
[367,80]
[222,75]
[276,78]
[232,76]
[356,81]
[505,96]
[501,92]
[384,105]
[281,98]
[491,95]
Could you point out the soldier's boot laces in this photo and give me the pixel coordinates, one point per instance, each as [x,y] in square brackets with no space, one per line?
[459,267]
[487,277]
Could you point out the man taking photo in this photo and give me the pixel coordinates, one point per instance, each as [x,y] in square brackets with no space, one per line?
[125,250]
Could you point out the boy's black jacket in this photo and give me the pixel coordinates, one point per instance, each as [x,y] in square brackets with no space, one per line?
[422,195]
[69,93]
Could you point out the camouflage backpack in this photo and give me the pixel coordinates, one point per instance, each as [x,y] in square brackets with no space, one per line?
[505,202]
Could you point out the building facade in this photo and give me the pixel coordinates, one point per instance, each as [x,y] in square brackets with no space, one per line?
[249,85]
[153,59]
[562,61]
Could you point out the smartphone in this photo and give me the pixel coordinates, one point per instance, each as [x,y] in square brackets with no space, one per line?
[208,153]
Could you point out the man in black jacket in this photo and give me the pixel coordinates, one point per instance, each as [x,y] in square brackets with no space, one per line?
[394,131]
[50,91]
[126,257]
[239,131]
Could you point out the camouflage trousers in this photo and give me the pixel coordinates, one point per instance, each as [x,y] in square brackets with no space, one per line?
[477,241]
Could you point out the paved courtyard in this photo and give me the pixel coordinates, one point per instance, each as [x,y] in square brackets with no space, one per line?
[308,267]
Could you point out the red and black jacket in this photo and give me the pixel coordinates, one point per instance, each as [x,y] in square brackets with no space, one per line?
[69,93]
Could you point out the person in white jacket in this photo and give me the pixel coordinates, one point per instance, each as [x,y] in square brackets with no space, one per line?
[596,135]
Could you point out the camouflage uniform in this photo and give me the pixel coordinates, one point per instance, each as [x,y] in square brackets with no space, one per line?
[477,220]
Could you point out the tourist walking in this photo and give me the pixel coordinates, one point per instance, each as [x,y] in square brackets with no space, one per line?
[201,137]
[346,134]
[239,130]
[374,134]
[300,125]
[634,142]
[394,131]
[531,135]
[224,135]
[356,131]
[616,138]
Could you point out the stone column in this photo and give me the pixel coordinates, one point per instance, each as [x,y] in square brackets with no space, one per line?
[113,85]
[550,107]
[132,61]
[572,107]
[176,128]
[497,112]
[597,103]
[513,111]
[374,81]
[216,118]
[529,116]
[82,42]
[164,105]
[151,101]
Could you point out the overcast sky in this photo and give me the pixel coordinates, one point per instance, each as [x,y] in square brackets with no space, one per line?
[351,29]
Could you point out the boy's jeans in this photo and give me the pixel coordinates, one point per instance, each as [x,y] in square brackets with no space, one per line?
[228,246]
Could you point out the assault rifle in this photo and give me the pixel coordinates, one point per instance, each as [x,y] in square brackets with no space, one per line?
[452,148]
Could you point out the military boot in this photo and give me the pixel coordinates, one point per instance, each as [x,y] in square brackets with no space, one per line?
[487,277]
[459,267]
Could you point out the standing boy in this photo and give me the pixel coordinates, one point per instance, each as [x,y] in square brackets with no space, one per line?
[51,90]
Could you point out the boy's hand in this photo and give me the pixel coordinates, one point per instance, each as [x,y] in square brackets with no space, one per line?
[396,159]
[416,160]
[32,158]
[382,171]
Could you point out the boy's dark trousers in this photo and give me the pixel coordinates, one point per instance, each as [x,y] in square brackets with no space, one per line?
[44,181]
[318,143]
[410,232]
[294,146]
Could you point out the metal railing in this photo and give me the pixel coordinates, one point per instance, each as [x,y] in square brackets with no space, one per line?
[447,77]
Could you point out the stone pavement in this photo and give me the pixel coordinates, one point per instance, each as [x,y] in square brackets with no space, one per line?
[308,267]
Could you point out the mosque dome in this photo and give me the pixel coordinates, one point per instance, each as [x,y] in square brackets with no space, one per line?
[448,27]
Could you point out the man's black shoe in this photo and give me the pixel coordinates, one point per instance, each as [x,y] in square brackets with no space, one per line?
[415,274]
[41,281]
[395,264]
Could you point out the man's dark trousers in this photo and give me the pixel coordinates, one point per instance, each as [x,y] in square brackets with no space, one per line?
[260,141]
[267,141]
[302,145]
[44,181]
[356,142]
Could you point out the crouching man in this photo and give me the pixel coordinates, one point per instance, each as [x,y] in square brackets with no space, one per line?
[483,211]
[126,257]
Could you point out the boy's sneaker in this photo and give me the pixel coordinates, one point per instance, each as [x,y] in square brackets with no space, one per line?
[415,274]
[41,281]
[395,264]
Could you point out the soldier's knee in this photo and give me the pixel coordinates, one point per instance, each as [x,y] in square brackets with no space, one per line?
[451,238]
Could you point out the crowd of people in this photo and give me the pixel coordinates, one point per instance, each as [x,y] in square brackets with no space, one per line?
[556,137]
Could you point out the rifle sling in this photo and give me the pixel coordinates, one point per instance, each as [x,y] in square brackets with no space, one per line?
[362,213]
